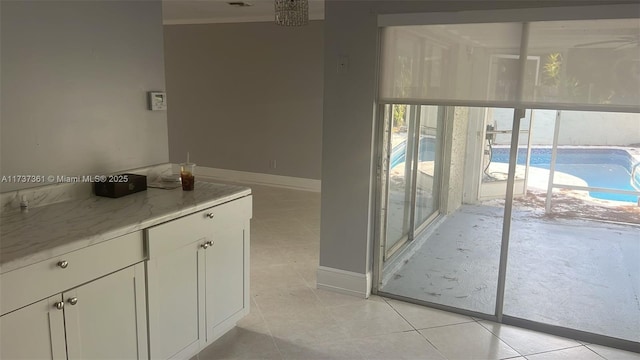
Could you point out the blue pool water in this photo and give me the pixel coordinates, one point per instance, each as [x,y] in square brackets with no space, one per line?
[605,168]
[426,151]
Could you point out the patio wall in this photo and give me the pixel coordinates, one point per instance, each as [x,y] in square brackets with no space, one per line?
[577,128]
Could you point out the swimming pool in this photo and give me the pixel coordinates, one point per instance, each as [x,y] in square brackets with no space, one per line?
[605,168]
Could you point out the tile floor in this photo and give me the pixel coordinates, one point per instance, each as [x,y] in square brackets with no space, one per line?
[291,319]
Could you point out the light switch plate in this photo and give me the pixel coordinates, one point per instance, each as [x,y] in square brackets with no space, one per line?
[157,100]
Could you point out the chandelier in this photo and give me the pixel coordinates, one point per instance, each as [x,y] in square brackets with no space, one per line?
[292,12]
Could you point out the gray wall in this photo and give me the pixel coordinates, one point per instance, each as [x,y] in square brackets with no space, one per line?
[240,95]
[74,81]
[348,176]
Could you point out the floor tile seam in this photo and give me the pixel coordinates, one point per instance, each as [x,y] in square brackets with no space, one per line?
[432,344]
[570,347]
[310,286]
[320,304]
[414,328]
[349,333]
[399,314]
[266,324]
[479,322]
[351,337]
[595,352]
[559,349]
[275,344]
[578,344]
[445,325]
[432,327]
[364,355]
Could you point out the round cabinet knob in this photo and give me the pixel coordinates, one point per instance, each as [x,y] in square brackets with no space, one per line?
[210,243]
[73,301]
[63,264]
[59,305]
[205,245]
[210,215]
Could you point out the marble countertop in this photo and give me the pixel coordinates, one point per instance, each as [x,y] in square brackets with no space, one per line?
[52,230]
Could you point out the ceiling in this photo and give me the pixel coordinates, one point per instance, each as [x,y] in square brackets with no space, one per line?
[219,11]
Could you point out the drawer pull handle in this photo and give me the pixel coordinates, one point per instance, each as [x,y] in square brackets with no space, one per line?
[210,215]
[59,305]
[73,301]
[63,264]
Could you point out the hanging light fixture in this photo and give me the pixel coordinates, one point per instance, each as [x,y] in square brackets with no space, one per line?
[292,12]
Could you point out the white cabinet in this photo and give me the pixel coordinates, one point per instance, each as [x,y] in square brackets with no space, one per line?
[86,304]
[34,332]
[99,320]
[226,266]
[105,319]
[198,278]
[173,296]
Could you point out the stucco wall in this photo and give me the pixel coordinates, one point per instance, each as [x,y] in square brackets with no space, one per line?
[456,138]
[576,127]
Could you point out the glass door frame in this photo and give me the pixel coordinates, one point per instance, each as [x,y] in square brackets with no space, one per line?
[410,175]
[412,154]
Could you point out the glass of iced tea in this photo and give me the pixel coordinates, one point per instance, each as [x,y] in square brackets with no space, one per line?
[186,176]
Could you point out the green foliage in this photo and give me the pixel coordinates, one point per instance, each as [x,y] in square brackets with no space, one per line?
[403,82]
[551,69]
[558,82]
[399,112]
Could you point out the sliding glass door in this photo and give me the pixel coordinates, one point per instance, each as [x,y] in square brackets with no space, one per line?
[473,159]
[411,172]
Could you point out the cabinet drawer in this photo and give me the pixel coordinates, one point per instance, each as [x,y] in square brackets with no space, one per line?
[164,238]
[26,285]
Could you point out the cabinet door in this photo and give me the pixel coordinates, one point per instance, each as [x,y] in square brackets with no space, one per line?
[33,332]
[227,268]
[173,292]
[105,318]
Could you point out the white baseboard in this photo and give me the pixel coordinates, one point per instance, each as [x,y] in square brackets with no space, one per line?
[345,282]
[289,182]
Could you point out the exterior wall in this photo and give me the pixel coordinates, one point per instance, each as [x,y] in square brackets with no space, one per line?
[454,175]
[576,128]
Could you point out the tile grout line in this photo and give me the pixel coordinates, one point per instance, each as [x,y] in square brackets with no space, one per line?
[536,353]
[595,352]
[567,348]
[477,321]
[414,328]
[266,324]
